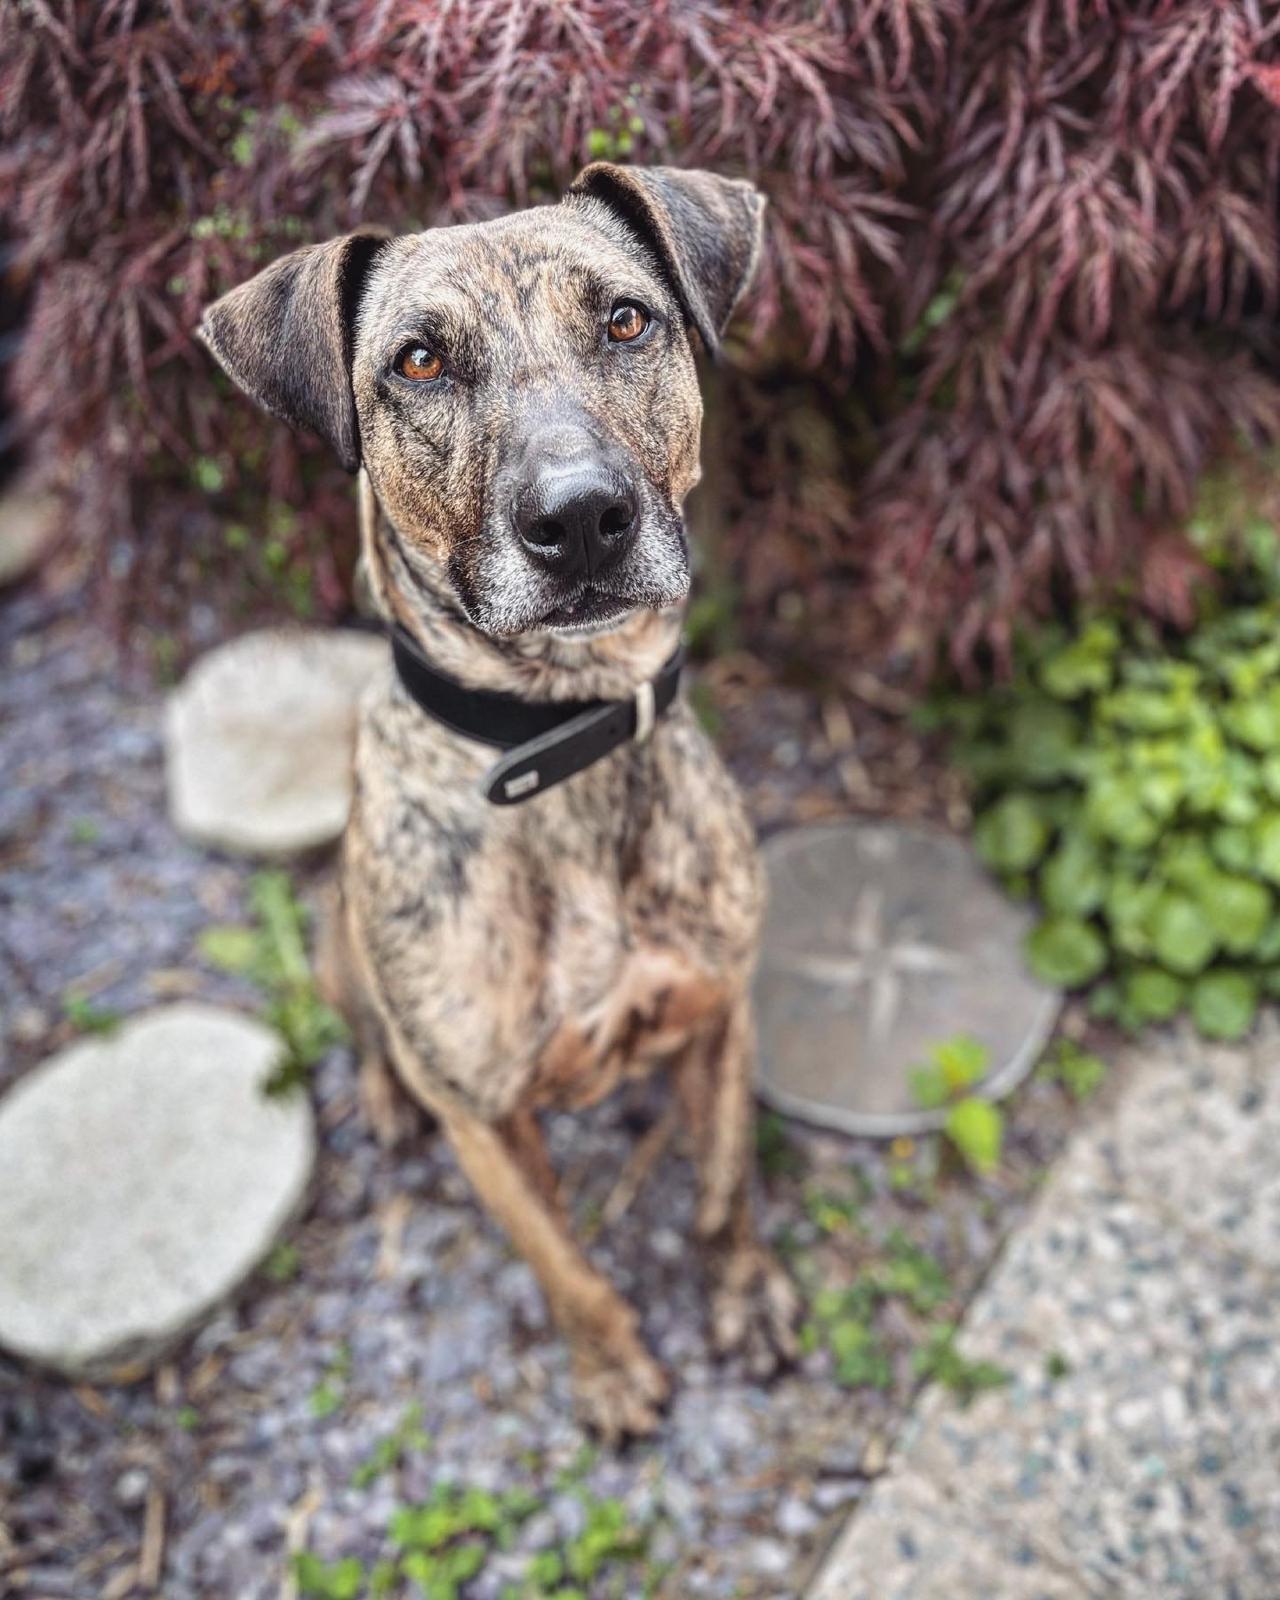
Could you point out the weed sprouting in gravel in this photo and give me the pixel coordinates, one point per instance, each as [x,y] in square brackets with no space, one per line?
[443,1543]
[973,1126]
[272,954]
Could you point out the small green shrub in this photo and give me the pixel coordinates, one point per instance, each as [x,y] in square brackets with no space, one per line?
[85,1017]
[844,1321]
[939,1361]
[974,1126]
[1080,1072]
[330,1393]
[1129,782]
[328,1580]
[389,1451]
[436,1548]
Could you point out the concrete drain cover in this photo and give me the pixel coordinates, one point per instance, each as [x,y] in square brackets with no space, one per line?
[880,941]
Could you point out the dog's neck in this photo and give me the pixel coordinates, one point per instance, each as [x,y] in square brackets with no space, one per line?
[410,588]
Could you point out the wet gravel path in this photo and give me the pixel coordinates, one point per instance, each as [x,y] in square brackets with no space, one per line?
[397,1307]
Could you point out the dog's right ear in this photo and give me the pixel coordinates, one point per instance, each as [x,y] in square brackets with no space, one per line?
[286,336]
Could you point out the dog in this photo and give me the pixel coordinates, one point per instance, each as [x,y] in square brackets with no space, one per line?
[520,400]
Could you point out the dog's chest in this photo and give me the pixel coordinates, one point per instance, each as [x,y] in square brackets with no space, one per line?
[544,951]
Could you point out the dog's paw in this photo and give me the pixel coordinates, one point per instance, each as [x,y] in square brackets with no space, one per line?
[621,1401]
[755,1310]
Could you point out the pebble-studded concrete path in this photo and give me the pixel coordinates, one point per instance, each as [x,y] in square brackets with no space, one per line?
[1136,1453]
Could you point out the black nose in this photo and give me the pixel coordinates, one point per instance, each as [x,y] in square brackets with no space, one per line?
[576,517]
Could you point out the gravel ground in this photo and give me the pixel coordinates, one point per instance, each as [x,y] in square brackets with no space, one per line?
[200,1479]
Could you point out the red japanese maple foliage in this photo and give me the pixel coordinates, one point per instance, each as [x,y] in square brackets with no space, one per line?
[1021,278]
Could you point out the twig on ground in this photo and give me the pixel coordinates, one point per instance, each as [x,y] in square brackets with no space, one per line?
[151,1557]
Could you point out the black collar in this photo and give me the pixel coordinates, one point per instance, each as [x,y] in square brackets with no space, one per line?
[546,740]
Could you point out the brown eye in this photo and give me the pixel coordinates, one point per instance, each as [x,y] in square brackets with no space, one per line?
[419,363]
[628,322]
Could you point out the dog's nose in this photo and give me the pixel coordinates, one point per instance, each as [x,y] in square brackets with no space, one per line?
[576,517]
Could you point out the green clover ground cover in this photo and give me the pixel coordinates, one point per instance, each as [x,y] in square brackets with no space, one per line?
[1129,782]
[438,1547]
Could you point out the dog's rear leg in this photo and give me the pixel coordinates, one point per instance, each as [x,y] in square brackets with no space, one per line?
[754,1306]
[620,1387]
[389,1111]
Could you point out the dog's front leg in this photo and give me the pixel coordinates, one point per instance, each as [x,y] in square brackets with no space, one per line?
[619,1386]
[754,1306]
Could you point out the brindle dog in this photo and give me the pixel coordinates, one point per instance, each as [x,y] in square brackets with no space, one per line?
[521,396]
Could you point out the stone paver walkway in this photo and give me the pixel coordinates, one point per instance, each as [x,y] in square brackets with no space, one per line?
[1136,1451]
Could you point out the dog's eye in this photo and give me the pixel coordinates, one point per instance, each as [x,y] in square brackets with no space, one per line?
[628,322]
[415,361]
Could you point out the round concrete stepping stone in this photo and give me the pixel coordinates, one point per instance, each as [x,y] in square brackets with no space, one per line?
[259,739]
[882,941]
[142,1178]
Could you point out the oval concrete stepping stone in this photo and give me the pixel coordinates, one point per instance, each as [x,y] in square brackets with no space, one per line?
[142,1178]
[882,940]
[259,739]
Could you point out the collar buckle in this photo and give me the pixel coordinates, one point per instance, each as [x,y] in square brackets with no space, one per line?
[646,711]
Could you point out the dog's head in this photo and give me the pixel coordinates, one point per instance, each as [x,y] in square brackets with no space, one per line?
[521,392]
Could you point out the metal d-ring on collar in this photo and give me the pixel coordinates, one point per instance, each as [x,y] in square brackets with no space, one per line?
[545,741]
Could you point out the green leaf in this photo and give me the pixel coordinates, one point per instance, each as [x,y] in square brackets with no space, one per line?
[1066,952]
[962,1060]
[1239,910]
[928,1087]
[1042,741]
[1187,864]
[1128,909]
[1114,811]
[1223,1004]
[1142,710]
[230,949]
[1161,791]
[939,1359]
[954,1066]
[1072,880]
[1078,1071]
[1182,937]
[861,1359]
[1011,835]
[1266,841]
[85,1017]
[338,1580]
[1151,994]
[1233,848]
[976,1128]
[1254,722]
[1267,949]
[1085,665]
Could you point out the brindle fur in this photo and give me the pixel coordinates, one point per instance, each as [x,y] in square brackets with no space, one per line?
[507,960]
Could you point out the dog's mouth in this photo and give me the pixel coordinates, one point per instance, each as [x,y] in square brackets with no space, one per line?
[590,611]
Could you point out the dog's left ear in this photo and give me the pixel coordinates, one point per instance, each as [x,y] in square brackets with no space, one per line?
[705,231]
[286,336]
